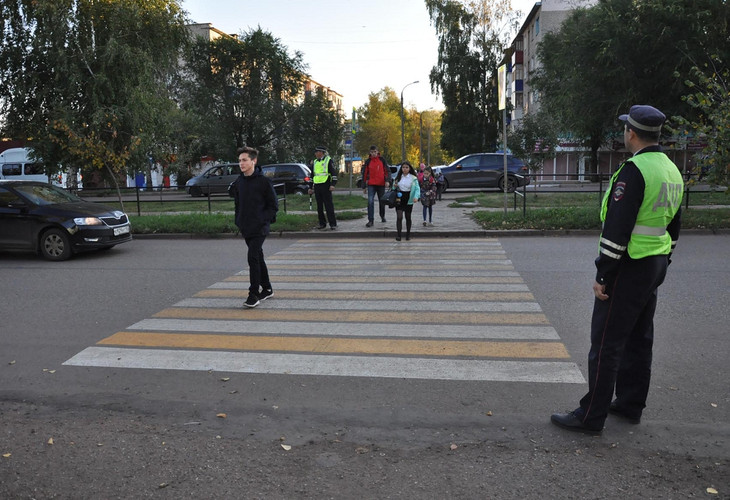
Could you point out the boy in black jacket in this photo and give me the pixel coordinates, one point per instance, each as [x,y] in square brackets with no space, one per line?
[256,207]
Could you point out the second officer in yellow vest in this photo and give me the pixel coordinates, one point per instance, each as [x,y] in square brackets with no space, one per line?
[641,221]
[324,179]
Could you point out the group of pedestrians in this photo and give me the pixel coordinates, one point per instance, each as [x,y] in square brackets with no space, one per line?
[410,188]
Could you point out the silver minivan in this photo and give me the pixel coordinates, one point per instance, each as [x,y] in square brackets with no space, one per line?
[215,179]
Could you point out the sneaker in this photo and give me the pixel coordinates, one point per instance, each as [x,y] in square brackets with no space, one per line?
[252,300]
[382,219]
[397,238]
[369,224]
[424,223]
[322,227]
[333,227]
[265,294]
[430,224]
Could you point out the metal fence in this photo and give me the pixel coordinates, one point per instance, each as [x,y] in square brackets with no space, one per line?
[164,195]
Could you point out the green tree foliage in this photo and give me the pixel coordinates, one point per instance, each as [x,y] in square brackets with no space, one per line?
[535,140]
[379,125]
[315,123]
[623,52]
[472,38]
[710,96]
[89,81]
[250,91]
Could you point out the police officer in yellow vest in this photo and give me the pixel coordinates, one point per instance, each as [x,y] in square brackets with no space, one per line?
[641,221]
[324,178]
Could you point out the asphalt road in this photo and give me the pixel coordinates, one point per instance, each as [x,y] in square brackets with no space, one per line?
[170,408]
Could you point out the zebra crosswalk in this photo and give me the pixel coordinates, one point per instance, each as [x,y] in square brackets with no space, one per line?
[452,309]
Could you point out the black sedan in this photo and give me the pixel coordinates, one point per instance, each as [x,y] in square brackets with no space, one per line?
[485,170]
[40,217]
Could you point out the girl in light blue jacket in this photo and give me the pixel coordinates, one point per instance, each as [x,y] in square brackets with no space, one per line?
[408,192]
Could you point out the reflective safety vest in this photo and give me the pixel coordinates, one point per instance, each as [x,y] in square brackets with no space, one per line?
[663,189]
[321,172]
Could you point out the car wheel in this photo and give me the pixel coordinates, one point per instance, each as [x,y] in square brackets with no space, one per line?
[195,191]
[445,186]
[55,245]
[511,184]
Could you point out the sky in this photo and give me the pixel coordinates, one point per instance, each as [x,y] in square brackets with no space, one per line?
[353,47]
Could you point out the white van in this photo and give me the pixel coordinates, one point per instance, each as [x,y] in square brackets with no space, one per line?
[15,163]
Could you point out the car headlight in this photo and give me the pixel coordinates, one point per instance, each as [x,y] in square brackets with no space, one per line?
[87,221]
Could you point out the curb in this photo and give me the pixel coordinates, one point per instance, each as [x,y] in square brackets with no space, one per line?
[491,233]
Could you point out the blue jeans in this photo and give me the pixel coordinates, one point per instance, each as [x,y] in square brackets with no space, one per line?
[372,190]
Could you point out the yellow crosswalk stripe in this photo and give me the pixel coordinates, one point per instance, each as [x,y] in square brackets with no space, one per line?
[315,278]
[548,350]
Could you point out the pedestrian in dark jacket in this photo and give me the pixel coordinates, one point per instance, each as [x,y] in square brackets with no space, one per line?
[256,206]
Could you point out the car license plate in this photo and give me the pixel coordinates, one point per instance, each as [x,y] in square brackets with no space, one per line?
[121,230]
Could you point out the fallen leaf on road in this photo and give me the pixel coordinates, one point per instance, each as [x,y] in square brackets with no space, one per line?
[163,485]
[714,405]
[453,447]
[50,441]
[489,413]
[51,371]
[712,491]
[225,379]
[12,362]
[222,415]
[7,455]
[361,449]
[286,447]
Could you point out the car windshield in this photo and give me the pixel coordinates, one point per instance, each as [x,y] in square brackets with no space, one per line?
[46,194]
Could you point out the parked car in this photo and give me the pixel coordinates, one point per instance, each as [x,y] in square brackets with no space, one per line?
[296,177]
[43,218]
[215,179]
[485,170]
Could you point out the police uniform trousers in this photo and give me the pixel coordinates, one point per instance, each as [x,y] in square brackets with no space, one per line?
[324,204]
[622,335]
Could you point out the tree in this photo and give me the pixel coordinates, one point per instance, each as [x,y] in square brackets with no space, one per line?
[315,123]
[623,52]
[248,88]
[89,81]
[710,96]
[379,124]
[472,38]
[534,141]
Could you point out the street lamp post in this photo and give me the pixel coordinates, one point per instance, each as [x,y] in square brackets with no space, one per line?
[403,126]
[420,136]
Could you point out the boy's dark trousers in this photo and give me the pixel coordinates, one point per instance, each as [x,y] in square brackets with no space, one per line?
[257,270]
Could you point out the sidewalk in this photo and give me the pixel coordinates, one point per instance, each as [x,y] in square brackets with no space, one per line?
[447,221]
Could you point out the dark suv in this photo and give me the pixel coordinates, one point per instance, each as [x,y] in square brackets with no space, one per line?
[485,170]
[296,177]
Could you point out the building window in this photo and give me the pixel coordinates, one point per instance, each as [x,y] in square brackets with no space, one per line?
[537,25]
